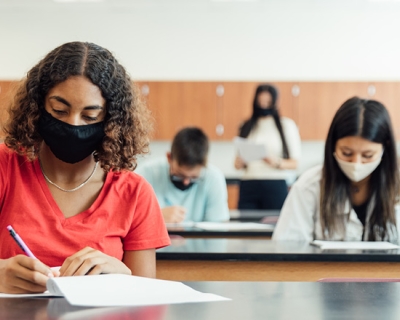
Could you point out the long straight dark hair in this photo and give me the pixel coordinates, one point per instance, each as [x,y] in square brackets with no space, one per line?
[370,120]
[249,125]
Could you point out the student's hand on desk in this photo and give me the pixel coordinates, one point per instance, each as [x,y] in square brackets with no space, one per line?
[173,214]
[89,261]
[22,274]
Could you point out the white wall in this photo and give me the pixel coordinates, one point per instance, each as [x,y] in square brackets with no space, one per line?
[214,40]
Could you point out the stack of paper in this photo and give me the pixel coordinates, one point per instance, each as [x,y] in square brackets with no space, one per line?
[354,245]
[121,290]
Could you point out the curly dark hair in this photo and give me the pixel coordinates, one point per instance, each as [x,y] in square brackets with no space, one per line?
[127,123]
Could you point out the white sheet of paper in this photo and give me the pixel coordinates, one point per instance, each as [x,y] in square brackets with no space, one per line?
[250,151]
[234,226]
[28,295]
[180,224]
[355,245]
[124,290]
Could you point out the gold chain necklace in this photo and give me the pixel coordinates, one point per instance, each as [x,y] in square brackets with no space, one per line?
[68,190]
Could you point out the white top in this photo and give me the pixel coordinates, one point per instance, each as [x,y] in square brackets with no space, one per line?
[265,132]
[299,219]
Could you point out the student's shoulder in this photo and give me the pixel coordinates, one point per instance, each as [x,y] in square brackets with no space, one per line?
[213,172]
[4,150]
[147,166]
[288,123]
[127,181]
[6,153]
[310,179]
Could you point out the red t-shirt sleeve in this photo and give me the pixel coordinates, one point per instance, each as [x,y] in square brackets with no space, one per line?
[147,228]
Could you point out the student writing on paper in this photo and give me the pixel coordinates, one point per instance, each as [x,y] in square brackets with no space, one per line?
[263,184]
[187,187]
[75,129]
[354,195]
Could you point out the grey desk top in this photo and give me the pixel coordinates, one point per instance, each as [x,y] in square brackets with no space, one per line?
[266,250]
[250,301]
[236,216]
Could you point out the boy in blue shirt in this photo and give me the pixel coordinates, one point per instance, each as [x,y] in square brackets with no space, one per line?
[187,188]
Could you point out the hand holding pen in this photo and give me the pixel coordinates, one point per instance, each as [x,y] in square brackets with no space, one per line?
[23,274]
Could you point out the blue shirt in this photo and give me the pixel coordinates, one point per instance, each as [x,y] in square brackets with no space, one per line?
[205,200]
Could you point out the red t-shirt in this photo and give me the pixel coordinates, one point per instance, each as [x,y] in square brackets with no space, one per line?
[125,216]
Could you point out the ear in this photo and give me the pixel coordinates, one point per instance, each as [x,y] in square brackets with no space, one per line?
[169,157]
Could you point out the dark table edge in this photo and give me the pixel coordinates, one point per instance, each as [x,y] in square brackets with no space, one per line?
[315,257]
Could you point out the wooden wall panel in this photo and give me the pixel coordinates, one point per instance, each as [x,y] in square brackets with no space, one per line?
[7,88]
[237,106]
[318,102]
[180,104]
[199,107]
[389,94]
[164,101]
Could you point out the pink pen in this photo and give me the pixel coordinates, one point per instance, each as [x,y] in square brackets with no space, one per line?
[20,242]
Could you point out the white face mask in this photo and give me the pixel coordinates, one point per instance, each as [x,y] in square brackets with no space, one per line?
[356,171]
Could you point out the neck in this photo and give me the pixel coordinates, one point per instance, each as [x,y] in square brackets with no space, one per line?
[360,185]
[62,172]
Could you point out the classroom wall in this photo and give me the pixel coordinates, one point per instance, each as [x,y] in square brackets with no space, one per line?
[277,40]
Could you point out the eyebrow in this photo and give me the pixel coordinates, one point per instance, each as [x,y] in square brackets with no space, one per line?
[63,101]
[362,151]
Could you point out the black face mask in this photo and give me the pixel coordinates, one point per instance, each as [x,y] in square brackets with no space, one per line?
[180,185]
[261,112]
[70,143]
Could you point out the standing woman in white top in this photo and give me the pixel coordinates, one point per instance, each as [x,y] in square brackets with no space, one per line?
[354,195]
[263,184]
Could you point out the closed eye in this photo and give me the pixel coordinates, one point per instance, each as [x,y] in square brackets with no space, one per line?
[59,111]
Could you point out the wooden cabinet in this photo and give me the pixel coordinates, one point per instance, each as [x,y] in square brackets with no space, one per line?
[7,88]
[388,93]
[318,102]
[175,105]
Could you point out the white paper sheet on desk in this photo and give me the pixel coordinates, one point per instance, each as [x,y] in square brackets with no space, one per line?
[354,245]
[29,295]
[234,226]
[180,224]
[250,151]
[124,290]
[119,290]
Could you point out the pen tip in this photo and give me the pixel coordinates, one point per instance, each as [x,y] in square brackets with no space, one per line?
[9,228]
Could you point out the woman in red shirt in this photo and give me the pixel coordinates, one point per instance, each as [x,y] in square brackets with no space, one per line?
[66,183]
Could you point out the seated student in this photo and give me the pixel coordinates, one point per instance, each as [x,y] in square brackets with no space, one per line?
[66,186]
[187,188]
[354,195]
